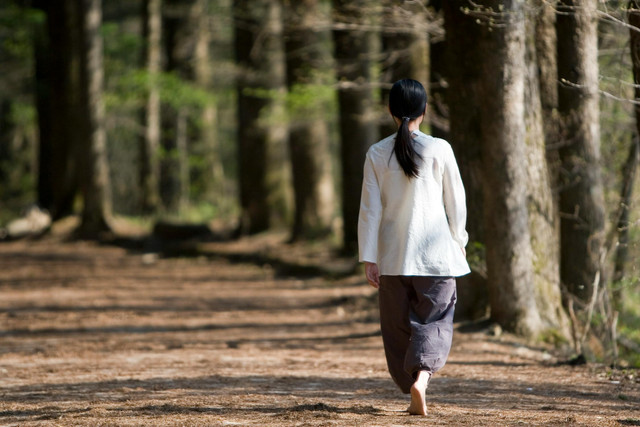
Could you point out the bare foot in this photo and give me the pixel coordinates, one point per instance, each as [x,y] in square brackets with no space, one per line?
[418,394]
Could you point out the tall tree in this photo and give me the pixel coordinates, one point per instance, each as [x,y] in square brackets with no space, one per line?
[464,89]
[542,211]
[150,141]
[211,174]
[355,46]
[95,185]
[509,252]
[492,75]
[308,44]
[178,27]
[57,100]
[545,47]
[633,159]
[261,86]
[405,50]
[438,111]
[581,197]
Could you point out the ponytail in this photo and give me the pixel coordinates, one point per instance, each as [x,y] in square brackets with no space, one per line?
[405,152]
[407,101]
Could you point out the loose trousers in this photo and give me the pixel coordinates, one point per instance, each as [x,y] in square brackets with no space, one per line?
[416,318]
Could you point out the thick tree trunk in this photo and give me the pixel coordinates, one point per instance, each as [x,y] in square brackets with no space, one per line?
[308,68]
[354,50]
[57,89]
[464,56]
[543,219]
[178,35]
[150,141]
[96,188]
[261,87]
[438,110]
[545,46]
[405,51]
[581,197]
[211,175]
[504,152]
[633,158]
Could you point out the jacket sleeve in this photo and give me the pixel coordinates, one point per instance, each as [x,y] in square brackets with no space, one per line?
[454,199]
[370,214]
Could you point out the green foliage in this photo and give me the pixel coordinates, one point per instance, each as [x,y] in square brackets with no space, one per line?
[16,30]
[476,256]
[131,88]
[305,101]
[553,337]
[629,318]
[122,49]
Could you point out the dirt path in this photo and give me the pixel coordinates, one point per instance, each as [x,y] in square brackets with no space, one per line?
[93,335]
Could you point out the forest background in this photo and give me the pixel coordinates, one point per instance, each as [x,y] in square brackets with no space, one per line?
[251,116]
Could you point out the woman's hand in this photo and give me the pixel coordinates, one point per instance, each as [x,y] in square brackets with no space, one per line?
[372,273]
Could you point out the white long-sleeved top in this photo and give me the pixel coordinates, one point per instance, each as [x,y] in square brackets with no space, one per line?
[413,227]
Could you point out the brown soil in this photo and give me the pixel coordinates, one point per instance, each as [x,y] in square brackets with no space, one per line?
[103,335]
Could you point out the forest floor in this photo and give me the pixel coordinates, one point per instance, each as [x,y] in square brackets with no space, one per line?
[250,332]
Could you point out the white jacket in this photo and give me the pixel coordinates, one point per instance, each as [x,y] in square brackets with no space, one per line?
[413,227]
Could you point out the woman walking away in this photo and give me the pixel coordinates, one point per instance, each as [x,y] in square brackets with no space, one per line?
[411,237]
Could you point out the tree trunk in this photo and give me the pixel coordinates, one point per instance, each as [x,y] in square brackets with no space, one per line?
[211,175]
[178,35]
[465,102]
[543,219]
[545,46]
[581,197]
[405,52]
[182,150]
[354,50]
[504,152]
[57,91]
[631,165]
[438,110]
[630,172]
[308,68]
[96,189]
[150,142]
[261,87]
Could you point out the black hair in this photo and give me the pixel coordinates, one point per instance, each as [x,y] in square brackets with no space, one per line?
[407,101]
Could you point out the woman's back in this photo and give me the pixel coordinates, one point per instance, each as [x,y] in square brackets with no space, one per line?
[415,235]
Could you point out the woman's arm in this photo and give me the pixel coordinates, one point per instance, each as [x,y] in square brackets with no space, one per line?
[454,199]
[370,214]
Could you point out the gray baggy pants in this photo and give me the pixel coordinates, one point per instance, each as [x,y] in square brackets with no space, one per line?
[416,318]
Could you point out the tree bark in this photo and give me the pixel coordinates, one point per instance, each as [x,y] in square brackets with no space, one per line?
[581,197]
[438,109]
[57,91]
[261,87]
[178,36]
[545,47]
[465,102]
[542,211]
[308,68]
[354,50]
[504,152]
[633,158]
[96,188]
[405,52]
[210,176]
[150,141]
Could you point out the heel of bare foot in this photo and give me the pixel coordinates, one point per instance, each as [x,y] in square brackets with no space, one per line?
[418,394]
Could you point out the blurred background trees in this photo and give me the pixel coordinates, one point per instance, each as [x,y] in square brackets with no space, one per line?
[255,116]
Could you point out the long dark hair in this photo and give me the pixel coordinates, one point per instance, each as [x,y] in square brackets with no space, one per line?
[407,101]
